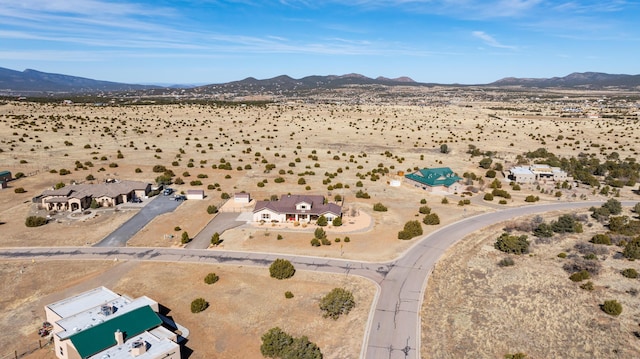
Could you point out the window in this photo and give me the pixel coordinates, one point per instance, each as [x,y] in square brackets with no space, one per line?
[61,351]
[266,216]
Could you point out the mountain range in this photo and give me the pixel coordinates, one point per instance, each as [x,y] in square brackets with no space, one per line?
[31,82]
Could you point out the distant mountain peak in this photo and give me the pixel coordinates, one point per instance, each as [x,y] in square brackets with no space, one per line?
[575,79]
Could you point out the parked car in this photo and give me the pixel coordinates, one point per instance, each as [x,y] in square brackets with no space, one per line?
[167,191]
[136,200]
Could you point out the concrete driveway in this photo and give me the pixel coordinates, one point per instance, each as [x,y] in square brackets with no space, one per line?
[156,206]
[220,223]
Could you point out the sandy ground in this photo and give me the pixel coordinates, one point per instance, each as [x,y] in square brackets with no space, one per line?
[244,304]
[475,308]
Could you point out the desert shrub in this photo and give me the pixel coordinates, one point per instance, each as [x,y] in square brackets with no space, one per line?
[111,165]
[490,174]
[211,278]
[562,255]
[506,262]
[611,307]
[636,208]
[566,224]
[379,207]
[502,201]
[347,239]
[278,344]
[613,206]
[211,209]
[19,190]
[500,193]
[488,197]
[630,273]
[580,264]
[279,237]
[185,238]
[281,269]
[601,239]
[512,244]
[543,230]
[424,210]
[361,194]
[315,242]
[337,302]
[195,183]
[587,248]
[590,256]
[20,175]
[319,233]
[431,219]
[532,198]
[632,249]
[587,286]
[485,163]
[64,171]
[288,295]
[178,181]
[177,228]
[325,241]
[580,276]
[35,221]
[337,222]
[424,201]
[518,355]
[411,229]
[215,239]
[198,305]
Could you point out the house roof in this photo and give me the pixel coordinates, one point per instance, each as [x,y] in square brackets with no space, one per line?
[287,205]
[442,176]
[102,336]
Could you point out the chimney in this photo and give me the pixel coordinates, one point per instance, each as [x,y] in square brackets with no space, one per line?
[119,337]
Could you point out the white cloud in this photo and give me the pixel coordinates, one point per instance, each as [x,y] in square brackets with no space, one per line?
[490,40]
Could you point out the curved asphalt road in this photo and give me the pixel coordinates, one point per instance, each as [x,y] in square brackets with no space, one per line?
[394,325]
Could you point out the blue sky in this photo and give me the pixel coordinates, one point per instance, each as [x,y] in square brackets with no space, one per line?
[214,41]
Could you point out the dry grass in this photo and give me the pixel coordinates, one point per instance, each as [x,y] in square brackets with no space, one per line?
[474,308]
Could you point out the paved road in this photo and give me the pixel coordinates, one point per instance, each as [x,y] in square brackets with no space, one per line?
[155,207]
[393,330]
[220,223]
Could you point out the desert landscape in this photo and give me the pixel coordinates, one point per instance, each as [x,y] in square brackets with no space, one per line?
[350,152]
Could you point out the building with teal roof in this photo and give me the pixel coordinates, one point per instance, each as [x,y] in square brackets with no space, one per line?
[441,179]
[102,324]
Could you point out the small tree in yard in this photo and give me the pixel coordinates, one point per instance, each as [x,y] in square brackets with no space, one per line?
[512,244]
[198,305]
[185,237]
[281,269]
[319,233]
[612,307]
[337,222]
[322,221]
[94,204]
[211,278]
[215,239]
[212,209]
[35,221]
[339,301]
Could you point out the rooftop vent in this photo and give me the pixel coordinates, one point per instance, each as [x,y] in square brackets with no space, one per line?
[106,310]
[138,347]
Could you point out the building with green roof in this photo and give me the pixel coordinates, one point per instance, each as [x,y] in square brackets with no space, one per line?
[441,179]
[102,324]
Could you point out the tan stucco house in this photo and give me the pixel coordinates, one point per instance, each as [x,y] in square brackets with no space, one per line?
[79,196]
